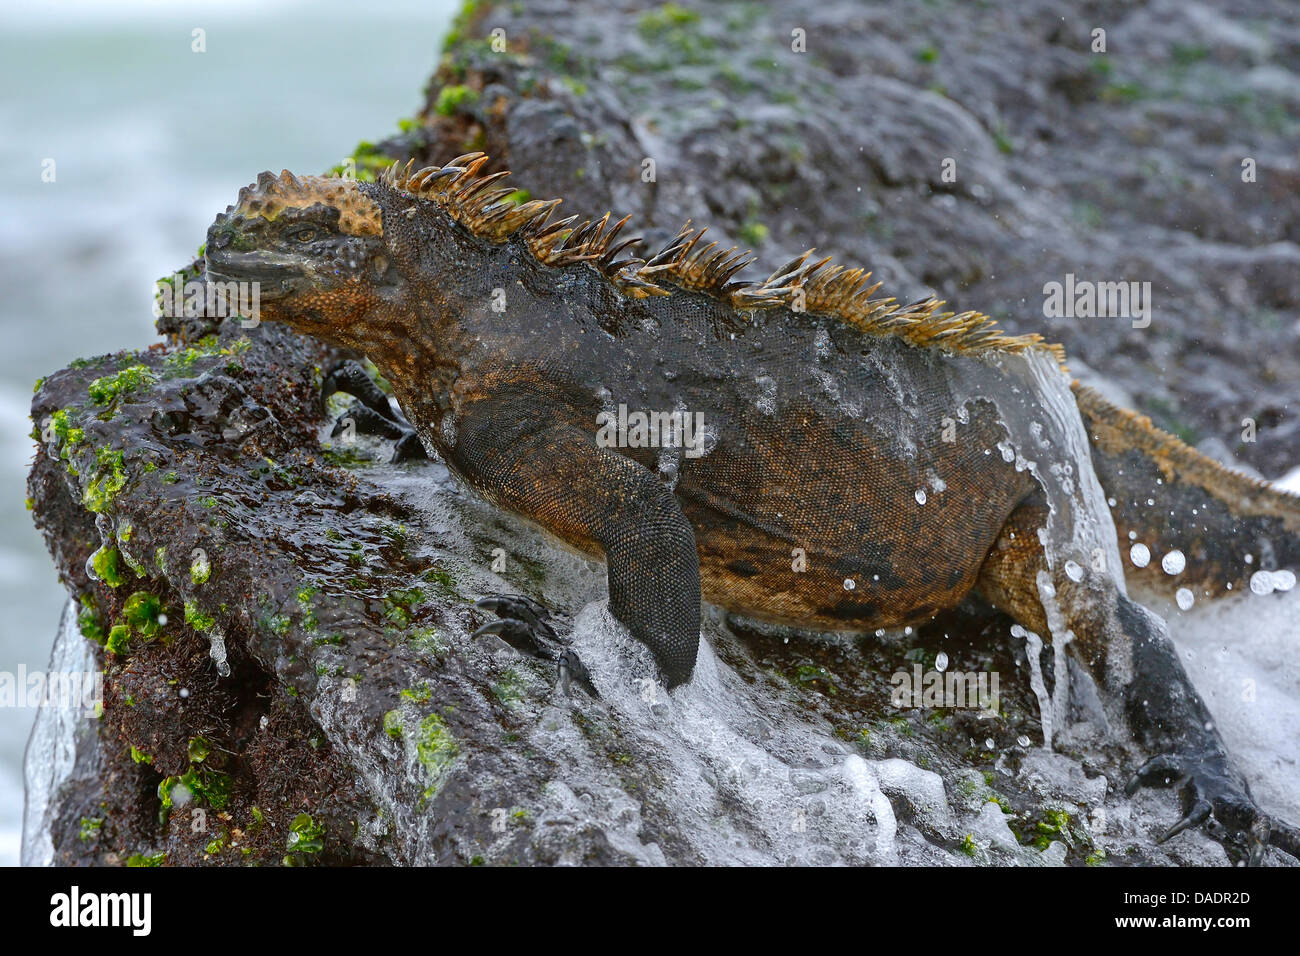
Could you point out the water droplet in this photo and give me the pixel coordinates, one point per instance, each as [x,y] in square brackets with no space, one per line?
[1185,598]
[1111,502]
[1022,740]
[90,566]
[920,496]
[988,743]
[1173,562]
[1132,535]
[217,651]
[1140,555]
[1261,582]
[1283,580]
[941,661]
[1249,559]
[849,584]
[1151,501]
[1073,571]
[162,620]
[185,692]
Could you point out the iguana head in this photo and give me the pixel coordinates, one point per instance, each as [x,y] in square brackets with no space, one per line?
[313,245]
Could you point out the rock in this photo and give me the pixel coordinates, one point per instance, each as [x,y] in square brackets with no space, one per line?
[1057,775]
[921,791]
[991,826]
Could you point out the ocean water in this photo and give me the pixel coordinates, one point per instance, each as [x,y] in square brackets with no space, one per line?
[149,140]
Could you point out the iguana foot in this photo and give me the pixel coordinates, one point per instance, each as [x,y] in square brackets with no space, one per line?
[350,377]
[409,448]
[372,413]
[366,421]
[1207,787]
[525,625]
[571,668]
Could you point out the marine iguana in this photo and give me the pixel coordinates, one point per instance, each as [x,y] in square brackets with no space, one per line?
[862,464]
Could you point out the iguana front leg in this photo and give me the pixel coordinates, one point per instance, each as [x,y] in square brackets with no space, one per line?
[1129,651]
[372,413]
[526,626]
[536,461]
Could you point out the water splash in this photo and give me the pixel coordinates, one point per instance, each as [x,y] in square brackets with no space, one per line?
[57,735]
[217,650]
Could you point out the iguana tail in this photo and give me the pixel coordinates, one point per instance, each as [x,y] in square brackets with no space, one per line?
[1169,497]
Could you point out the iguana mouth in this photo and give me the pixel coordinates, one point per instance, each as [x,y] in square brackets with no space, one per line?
[274,274]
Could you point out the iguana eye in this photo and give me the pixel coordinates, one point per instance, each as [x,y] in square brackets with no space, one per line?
[305,234]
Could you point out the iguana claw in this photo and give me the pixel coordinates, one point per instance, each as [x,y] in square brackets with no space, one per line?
[1208,787]
[525,625]
[520,609]
[408,448]
[572,668]
[350,377]
[366,421]
[372,413]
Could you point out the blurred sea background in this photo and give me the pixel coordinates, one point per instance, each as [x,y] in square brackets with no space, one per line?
[150,140]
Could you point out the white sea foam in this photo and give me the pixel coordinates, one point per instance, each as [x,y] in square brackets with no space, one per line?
[1243,656]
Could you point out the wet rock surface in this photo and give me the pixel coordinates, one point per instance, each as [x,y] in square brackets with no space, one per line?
[283,617]
[1116,166]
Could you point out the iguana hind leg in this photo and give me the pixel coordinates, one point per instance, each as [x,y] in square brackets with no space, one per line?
[1129,652]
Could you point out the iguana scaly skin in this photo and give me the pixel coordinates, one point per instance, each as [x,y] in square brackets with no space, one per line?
[863,465]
